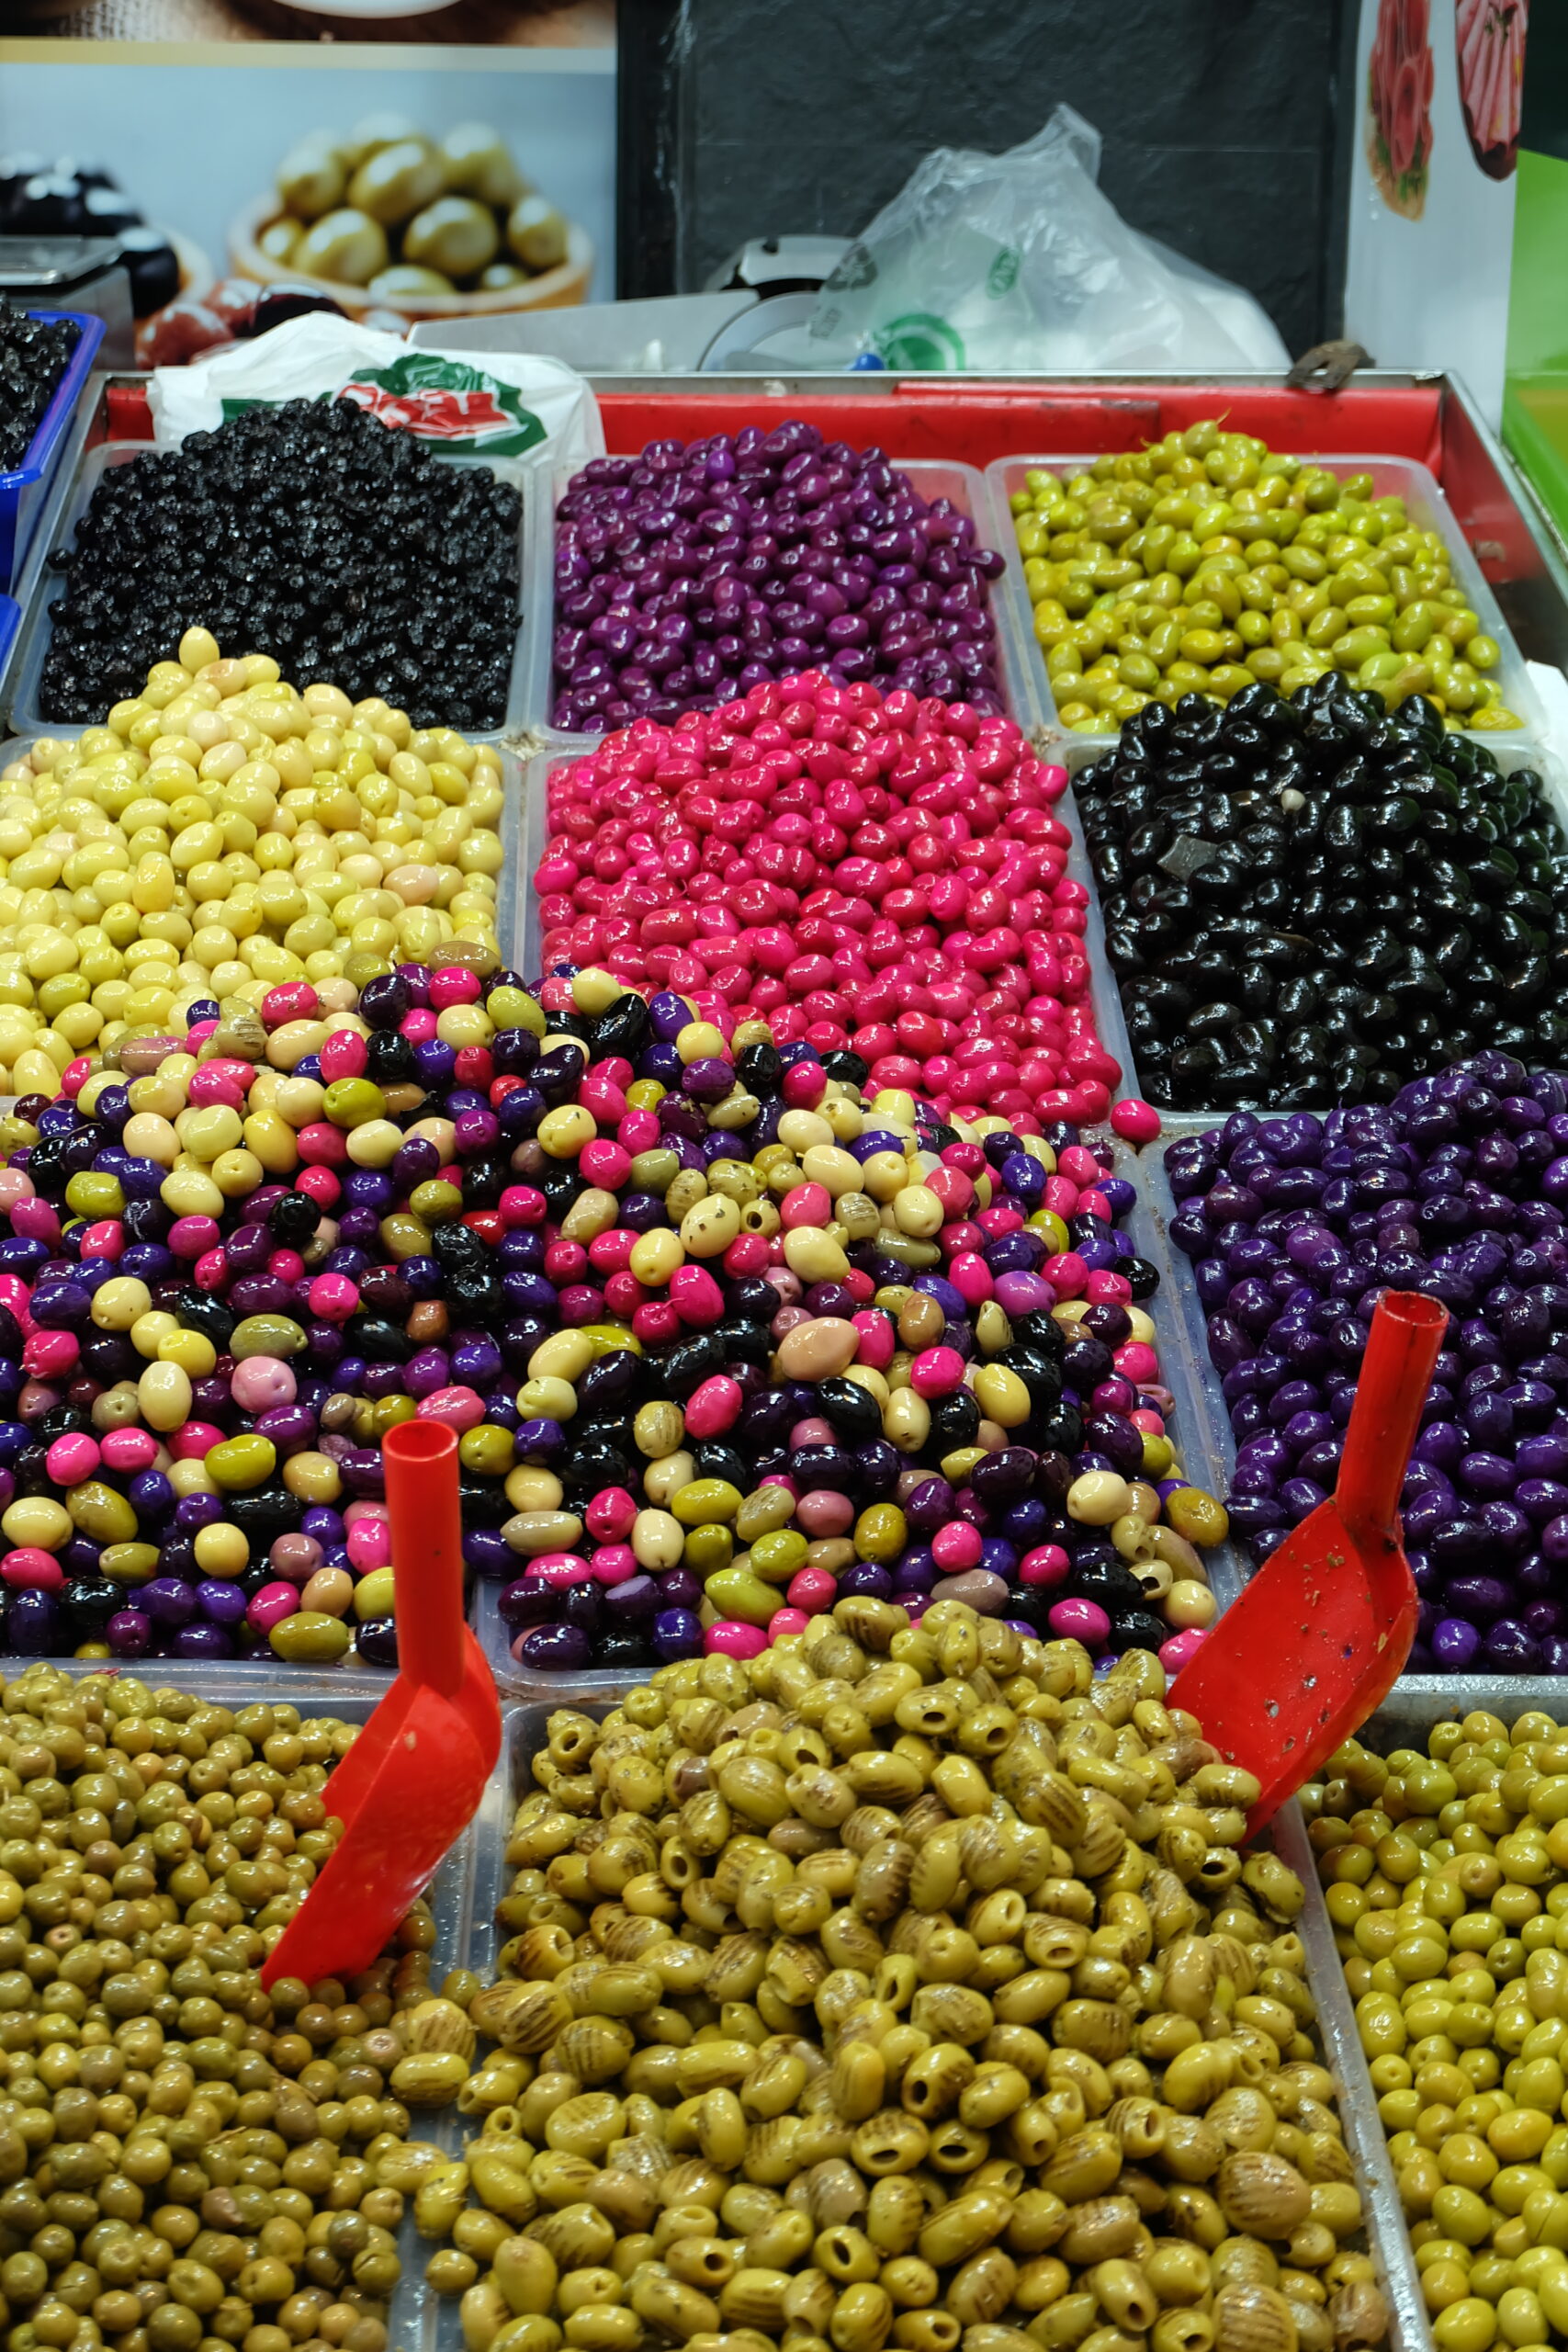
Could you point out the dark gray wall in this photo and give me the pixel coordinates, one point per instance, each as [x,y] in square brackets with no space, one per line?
[742,116]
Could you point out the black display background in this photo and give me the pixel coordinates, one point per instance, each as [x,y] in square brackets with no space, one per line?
[1225,123]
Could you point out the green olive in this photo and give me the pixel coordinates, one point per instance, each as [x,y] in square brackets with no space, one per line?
[346,245]
[454,234]
[279,239]
[395,182]
[479,163]
[377,130]
[499,275]
[406,279]
[536,233]
[311,178]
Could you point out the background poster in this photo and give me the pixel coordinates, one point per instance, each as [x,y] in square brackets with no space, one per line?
[190,107]
[1432,185]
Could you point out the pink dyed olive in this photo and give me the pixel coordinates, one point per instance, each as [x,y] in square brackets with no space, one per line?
[729,1638]
[1047,1565]
[29,1569]
[1136,1362]
[71,1459]
[333,1298]
[459,1408]
[971,1277]
[615,1564]
[824,1513]
[1066,1275]
[130,1450]
[260,1384]
[811,1590]
[345,1054]
[49,1355]
[956,1546]
[813,1432]
[605,1163]
[611,1516]
[878,1341]
[1104,1287]
[453,984]
[936,1371]
[294,1001]
[1075,1162]
[786,1621]
[1173,1654]
[192,1237]
[807,1205]
[273,1602]
[1135,1120]
[1080,1621]
[368,1543]
[560,1569]
[695,1296]
[714,1406]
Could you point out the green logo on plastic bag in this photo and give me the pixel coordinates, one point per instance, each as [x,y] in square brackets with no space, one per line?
[440,400]
[1002,276]
[918,340]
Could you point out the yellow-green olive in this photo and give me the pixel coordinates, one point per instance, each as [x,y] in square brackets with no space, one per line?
[455,235]
[398,181]
[536,233]
[348,245]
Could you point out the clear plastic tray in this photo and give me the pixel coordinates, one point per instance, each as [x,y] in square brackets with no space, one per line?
[418,2319]
[933,477]
[1512,752]
[1188,1422]
[509,882]
[1391,477]
[26,718]
[524,1732]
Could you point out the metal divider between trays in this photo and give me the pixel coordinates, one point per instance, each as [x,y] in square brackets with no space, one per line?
[933,477]
[524,1732]
[71,503]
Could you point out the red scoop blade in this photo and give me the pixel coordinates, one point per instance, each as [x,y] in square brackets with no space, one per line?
[425,1792]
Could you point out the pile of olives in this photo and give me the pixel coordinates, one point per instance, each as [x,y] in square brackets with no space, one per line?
[391,208]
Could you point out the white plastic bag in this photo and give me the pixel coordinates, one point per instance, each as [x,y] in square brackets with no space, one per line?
[1018,262]
[517,406]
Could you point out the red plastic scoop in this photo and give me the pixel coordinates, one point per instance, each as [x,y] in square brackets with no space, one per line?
[1319,1637]
[413,1779]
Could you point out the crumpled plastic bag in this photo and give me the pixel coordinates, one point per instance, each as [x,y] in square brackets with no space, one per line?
[509,405]
[1018,262]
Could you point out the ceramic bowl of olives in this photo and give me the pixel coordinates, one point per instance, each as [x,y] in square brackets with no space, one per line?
[387,218]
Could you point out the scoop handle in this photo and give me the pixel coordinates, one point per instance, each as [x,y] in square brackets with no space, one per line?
[1396,1372]
[420,1462]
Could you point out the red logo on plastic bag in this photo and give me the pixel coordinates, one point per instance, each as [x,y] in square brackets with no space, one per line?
[434,414]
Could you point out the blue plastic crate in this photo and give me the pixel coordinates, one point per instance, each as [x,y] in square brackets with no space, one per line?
[24,494]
